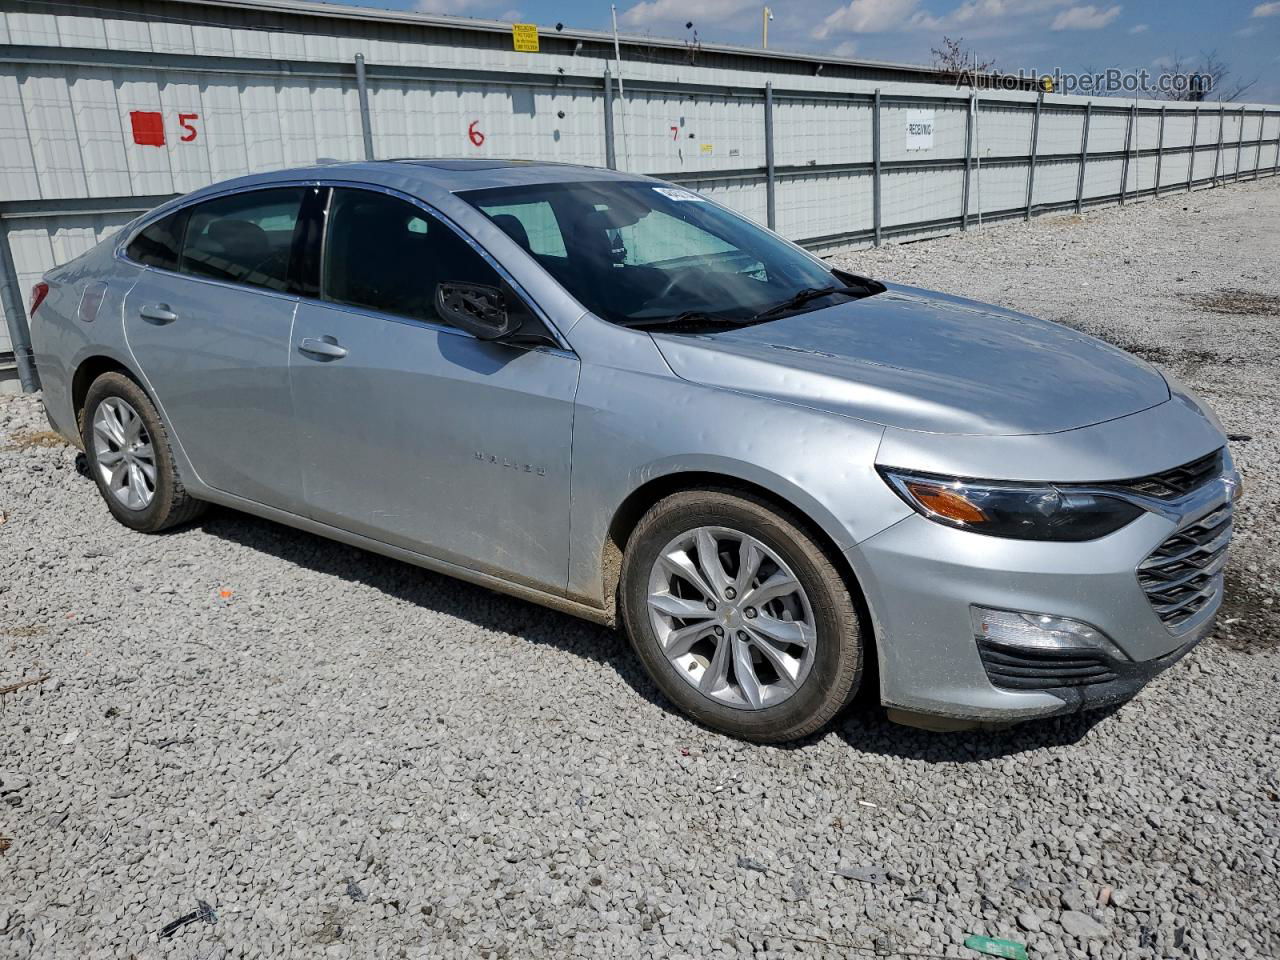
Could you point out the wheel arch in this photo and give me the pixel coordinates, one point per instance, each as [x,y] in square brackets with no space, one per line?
[638,502]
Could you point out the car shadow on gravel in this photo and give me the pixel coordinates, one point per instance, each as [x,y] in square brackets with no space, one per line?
[863,727]
[436,593]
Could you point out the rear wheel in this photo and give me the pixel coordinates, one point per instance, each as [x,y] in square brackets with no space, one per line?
[740,616]
[128,456]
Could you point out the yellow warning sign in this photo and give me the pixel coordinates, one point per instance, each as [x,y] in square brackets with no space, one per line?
[524,37]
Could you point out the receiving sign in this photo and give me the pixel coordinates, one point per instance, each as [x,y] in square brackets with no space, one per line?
[919,129]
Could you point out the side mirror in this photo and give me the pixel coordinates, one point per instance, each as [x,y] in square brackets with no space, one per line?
[477,309]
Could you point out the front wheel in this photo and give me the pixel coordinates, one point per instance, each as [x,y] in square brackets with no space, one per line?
[739,616]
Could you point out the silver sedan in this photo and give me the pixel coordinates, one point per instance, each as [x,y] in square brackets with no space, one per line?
[611,395]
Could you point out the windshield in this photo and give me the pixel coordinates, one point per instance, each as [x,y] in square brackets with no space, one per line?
[648,254]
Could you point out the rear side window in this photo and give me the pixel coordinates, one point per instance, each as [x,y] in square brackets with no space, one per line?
[384,254]
[160,244]
[243,238]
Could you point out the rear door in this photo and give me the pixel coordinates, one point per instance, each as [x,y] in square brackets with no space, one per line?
[413,432]
[211,334]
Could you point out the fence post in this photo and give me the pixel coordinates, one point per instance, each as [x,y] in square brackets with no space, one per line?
[1217,156]
[968,165]
[1159,152]
[366,123]
[16,316]
[1035,146]
[1191,164]
[610,156]
[1275,162]
[1128,142]
[770,183]
[1084,156]
[1239,147]
[1257,150]
[875,160]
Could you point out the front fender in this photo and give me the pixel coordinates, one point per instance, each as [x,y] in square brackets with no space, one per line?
[633,427]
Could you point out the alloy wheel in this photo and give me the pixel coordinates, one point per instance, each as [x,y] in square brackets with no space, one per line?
[731,617]
[124,454]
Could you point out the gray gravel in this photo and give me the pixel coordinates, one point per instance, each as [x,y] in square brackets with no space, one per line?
[305,750]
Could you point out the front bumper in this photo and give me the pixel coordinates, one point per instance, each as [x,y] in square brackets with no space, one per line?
[920,579]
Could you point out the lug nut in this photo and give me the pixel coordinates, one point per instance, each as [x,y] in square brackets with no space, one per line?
[742,635]
[711,605]
[749,613]
[730,593]
[719,630]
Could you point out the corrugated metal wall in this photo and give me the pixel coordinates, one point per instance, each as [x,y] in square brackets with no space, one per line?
[102,115]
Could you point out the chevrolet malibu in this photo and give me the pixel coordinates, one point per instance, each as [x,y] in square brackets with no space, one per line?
[610,395]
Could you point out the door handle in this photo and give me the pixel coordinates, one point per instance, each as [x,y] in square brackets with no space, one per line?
[157,313]
[323,348]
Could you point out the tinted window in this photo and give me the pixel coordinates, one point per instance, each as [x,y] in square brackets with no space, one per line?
[385,254]
[244,238]
[159,244]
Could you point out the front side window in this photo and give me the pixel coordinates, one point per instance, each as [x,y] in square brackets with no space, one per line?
[640,253]
[384,254]
[243,238]
[160,243]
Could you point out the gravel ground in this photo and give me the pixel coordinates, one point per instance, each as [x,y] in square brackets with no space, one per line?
[306,750]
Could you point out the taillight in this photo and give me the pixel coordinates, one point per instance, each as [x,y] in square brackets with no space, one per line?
[38,293]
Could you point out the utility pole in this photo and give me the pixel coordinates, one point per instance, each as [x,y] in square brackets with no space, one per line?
[766,16]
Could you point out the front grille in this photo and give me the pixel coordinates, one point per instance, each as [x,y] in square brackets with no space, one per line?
[1179,481]
[1184,574]
[1020,668]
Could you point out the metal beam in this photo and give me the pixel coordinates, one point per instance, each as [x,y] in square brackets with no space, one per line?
[366,123]
[1191,160]
[1035,146]
[770,178]
[1084,156]
[968,165]
[15,315]
[610,150]
[875,160]
[1128,142]
[1159,151]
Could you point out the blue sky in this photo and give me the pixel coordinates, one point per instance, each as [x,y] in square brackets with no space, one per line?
[1039,34]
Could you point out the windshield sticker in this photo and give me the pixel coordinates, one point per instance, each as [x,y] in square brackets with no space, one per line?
[675,194]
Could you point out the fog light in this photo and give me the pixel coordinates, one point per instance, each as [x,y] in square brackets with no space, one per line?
[1039,631]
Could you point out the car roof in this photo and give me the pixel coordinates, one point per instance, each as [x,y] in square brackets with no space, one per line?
[452,174]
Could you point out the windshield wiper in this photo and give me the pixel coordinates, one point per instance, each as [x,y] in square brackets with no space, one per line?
[804,296]
[690,317]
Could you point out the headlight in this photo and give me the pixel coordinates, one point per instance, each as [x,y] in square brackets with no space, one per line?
[1020,511]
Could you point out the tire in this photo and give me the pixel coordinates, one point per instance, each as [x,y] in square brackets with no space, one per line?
[822,676]
[168,503]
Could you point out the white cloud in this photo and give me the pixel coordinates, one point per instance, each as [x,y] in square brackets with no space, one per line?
[986,18]
[847,48]
[1084,18]
[1162,63]
[1139,28]
[652,12]
[1266,10]
[1250,30]
[867,16]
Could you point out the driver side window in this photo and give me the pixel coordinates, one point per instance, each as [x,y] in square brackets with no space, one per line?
[244,238]
[387,255]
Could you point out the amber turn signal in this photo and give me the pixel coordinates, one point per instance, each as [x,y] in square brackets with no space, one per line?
[947,503]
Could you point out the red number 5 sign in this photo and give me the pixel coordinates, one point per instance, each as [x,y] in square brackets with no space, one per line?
[148,127]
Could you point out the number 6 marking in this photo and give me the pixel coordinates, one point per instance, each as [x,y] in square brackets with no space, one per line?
[477,138]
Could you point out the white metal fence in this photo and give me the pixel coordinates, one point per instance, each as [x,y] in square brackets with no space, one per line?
[102,119]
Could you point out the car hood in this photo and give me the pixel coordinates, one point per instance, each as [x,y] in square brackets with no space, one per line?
[921,360]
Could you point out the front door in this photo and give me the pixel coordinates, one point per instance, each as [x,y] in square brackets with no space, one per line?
[211,336]
[416,433]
